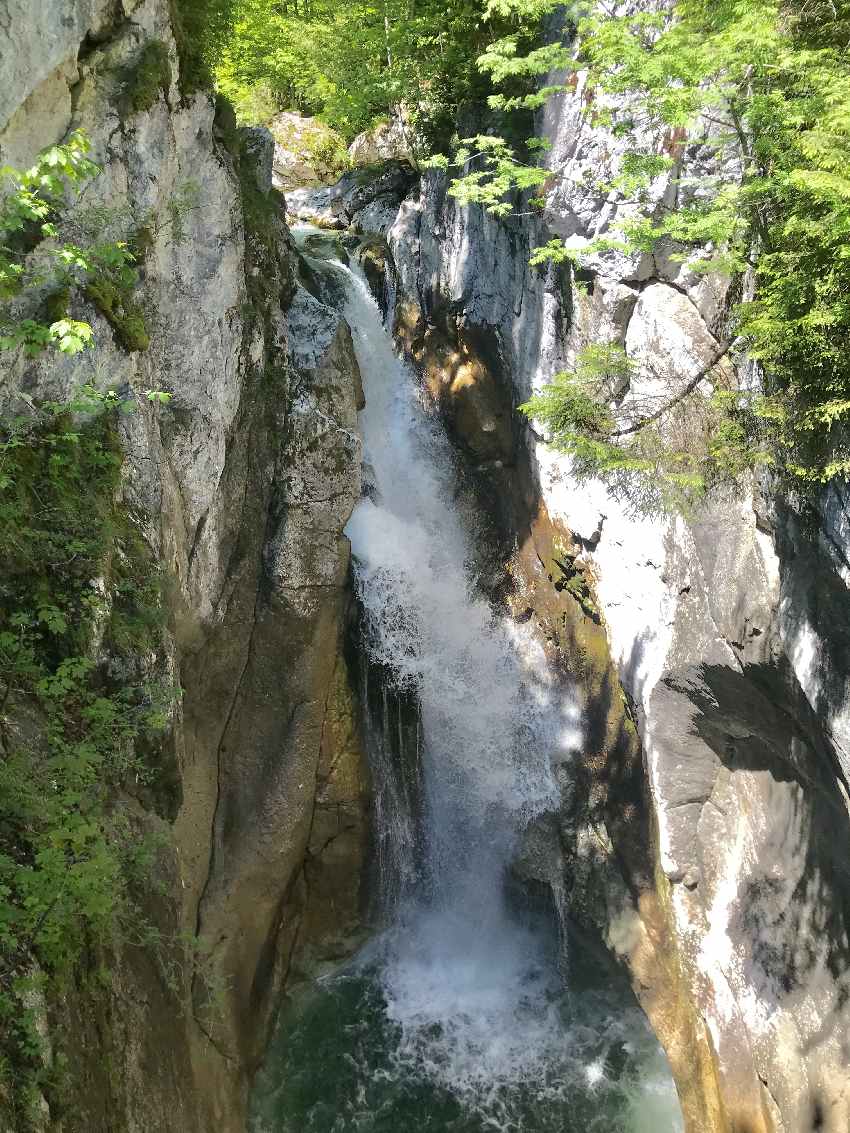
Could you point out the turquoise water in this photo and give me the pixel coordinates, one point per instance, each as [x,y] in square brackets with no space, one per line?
[339,1064]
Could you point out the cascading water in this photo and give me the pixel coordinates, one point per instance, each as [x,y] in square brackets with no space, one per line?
[455,1017]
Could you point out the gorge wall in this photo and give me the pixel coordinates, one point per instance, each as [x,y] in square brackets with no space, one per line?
[240,486]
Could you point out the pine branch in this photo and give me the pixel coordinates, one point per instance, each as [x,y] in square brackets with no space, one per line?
[687,389]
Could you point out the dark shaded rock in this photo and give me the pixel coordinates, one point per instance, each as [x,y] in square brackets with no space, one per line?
[258,147]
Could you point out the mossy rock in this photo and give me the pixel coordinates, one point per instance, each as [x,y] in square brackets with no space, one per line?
[141,242]
[226,127]
[308,152]
[56,304]
[147,79]
[121,312]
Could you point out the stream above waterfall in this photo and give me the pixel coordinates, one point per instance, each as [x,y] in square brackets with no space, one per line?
[467,1011]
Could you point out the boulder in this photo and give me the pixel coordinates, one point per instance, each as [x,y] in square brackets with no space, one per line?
[306,152]
[385,141]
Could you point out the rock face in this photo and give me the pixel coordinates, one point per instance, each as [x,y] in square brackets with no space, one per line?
[715,624]
[243,483]
[365,200]
[729,636]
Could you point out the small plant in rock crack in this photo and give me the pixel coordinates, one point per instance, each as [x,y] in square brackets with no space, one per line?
[48,252]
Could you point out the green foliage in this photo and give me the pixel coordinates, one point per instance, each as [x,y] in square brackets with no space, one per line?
[80,621]
[30,204]
[657,452]
[75,589]
[353,63]
[500,173]
[766,86]
[147,79]
[35,258]
[331,153]
[201,28]
[112,295]
[254,105]
[779,105]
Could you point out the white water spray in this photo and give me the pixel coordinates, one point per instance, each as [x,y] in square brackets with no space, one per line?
[473,992]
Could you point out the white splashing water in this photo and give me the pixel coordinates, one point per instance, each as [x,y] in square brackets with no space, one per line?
[473,993]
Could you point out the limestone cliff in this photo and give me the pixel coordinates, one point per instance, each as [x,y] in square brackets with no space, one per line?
[241,485]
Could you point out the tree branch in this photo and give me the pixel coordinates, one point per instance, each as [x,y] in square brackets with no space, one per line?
[687,389]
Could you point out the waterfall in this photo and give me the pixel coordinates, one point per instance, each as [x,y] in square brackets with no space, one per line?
[464,980]
[465,989]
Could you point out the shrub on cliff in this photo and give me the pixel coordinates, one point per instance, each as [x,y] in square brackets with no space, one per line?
[80,634]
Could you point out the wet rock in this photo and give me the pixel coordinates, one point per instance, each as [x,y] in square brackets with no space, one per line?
[377,217]
[472,400]
[242,484]
[332,902]
[374,258]
[316,206]
[366,198]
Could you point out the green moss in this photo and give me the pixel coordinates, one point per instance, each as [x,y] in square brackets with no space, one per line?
[149,77]
[56,305]
[258,208]
[121,311]
[366,174]
[276,375]
[568,577]
[226,127]
[141,242]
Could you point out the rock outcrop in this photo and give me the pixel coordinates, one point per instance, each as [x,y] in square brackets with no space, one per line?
[713,623]
[365,200]
[383,142]
[241,484]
